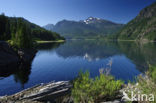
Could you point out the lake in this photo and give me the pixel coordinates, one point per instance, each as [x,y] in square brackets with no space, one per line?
[63,61]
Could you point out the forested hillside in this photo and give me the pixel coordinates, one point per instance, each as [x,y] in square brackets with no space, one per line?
[22,32]
[143,27]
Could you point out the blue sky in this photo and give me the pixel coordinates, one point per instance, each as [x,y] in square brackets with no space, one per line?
[43,12]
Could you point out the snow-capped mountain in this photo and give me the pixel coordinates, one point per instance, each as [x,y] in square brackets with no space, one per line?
[91,20]
[90,28]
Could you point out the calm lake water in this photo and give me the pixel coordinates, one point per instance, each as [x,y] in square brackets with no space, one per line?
[59,62]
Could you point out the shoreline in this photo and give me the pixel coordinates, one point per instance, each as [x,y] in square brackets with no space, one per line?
[11,56]
[42,42]
[144,41]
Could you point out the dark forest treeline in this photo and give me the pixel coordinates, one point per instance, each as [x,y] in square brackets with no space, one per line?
[22,33]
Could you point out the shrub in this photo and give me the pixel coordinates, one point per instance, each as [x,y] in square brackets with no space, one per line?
[89,90]
[146,84]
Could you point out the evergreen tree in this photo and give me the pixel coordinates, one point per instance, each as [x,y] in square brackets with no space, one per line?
[23,37]
[4,27]
[21,32]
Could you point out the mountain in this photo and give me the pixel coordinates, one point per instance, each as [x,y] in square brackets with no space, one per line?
[89,28]
[49,27]
[12,26]
[39,33]
[143,27]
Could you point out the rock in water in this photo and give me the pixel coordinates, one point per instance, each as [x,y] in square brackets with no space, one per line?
[7,54]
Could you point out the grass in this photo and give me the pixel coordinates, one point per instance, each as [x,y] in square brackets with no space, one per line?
[146,84]
[93,90]
[41,42]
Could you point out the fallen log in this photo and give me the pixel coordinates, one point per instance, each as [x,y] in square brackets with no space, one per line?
[41,92]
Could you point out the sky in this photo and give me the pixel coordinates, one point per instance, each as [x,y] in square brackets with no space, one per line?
[44,12]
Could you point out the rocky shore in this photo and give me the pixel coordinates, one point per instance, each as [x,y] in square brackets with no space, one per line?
[9,56]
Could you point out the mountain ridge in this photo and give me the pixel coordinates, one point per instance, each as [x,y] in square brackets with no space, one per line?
[89,28]
[142,27]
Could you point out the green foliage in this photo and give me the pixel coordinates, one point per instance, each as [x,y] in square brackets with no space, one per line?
[4,27]
[42,34]
[144,88]
[23,36]
[146,84]
[88,90]
[142,27]
[22,32]
[152,73]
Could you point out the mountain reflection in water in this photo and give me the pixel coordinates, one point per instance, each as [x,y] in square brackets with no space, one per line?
[63,61]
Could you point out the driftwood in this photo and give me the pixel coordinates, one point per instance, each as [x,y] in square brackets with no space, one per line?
[41,92]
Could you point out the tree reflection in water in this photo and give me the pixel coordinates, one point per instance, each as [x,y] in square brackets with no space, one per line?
[20,72]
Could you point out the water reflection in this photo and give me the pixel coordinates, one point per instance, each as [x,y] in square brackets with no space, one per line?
[63,61]
[141,54]
[20,73]
[49,46]
[90,49]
